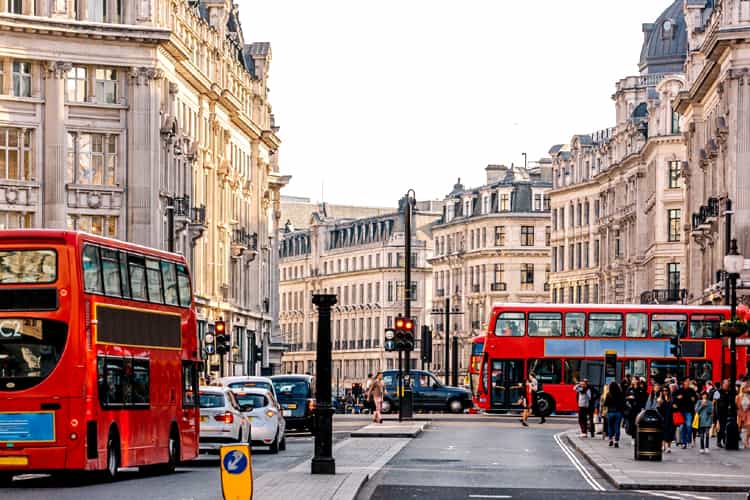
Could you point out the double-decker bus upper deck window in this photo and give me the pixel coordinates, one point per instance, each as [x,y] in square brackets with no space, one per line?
[574,324]
[605,325]
[545,324]
[511,324]
[705,326]
[183,283]
[153,278]
[28,266]
[170,283]
[29,351]
[137,268]
[111,272]
[92,271]
[668,325]
[636,325]
[124,277]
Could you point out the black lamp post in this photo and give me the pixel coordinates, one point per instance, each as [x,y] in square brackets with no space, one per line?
[733,263]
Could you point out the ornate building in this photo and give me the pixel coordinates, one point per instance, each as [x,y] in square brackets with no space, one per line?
[148,121]
[492,244]
[715,106]
[361,261]
[617,201]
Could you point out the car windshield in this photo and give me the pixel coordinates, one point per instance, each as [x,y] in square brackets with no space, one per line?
[254,400]
[29,351]
[292,388]
[211,400]
[249,384]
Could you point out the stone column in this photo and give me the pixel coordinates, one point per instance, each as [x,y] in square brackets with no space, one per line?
[142,170]
[54,213]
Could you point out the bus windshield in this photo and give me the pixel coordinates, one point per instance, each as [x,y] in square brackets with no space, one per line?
[28,266]
[29,351]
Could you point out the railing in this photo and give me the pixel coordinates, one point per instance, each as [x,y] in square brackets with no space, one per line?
[499,287]
[475,288]
[337,345]
[368,343]
[476,325]
[664,296]
[440,292]
[375,342]
[352,343]
[360,344]
[705,212]
[546,287]
[242,237]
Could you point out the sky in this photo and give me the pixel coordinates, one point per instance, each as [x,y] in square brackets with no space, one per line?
[375,98]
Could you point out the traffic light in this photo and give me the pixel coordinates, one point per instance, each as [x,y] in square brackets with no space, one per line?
[404,334]
[208,344]
[390,340]
[408,336]
[222,339]
[426,344]
[259,354]
[674,348]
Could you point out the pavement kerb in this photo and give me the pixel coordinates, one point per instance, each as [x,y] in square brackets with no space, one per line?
[354,483]
[621,481]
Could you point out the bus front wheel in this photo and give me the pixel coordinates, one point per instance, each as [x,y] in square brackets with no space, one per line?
[113,456]
[545,405]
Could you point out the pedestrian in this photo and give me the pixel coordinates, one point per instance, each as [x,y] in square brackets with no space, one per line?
[685,399]
[584,398]
[652,400]
[704,410]
[721,411]
[743,413]
[526,400]
[632,402]
[535,395]
[368,399]
[664,407]
[603,411]
[614,402]
[376,391]
[593,401]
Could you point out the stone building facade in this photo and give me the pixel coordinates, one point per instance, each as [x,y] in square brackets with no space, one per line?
[361,261]
[148,121]
[492,244]
[617,201]
[715,106]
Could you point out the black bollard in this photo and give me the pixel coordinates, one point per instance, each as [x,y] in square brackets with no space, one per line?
[323,462]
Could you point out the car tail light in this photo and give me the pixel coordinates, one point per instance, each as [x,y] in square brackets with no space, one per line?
[311,404]
[225,417]
[270,413]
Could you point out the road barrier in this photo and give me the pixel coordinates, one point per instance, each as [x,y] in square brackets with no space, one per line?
[236,472]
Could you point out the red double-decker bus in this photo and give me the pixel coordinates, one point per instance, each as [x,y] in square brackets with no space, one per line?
[98,355]
[563,344]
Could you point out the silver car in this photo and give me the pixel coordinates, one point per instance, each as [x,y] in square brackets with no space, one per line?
[222,421]
[268,427]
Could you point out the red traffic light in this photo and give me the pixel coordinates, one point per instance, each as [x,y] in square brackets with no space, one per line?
[400,323]
[409,325]
[220,327]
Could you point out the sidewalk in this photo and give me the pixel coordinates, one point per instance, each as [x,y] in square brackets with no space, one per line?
[681,470]
[357,459]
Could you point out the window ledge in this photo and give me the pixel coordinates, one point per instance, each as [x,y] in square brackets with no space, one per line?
[96,105]
[94,187]
[31,100]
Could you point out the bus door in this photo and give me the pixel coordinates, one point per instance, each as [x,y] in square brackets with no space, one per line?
[506,383]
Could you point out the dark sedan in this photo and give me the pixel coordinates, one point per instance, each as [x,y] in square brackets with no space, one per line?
[297,399]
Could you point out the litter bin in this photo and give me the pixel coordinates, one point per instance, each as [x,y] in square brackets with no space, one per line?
[648,436]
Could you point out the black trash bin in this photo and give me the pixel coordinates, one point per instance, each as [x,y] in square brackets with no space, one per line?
[648,435]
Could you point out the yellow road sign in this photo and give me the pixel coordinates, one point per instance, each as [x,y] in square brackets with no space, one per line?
[236,472]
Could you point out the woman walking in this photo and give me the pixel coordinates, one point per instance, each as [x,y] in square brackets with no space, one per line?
[704,410]
[664,407]
[527,400]
[615,404]
[377,388]
[743,412]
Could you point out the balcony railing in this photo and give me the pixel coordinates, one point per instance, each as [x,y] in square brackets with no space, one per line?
[245,239]
[337,345]
[375,342]
[440,292]
[352,343]
[360,344]
[475,288]
[499,287]
[368,343]
[476,325]
[664,296]
[706,212]
[546,287]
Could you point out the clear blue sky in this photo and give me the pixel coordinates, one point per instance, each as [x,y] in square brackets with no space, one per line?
[374,98]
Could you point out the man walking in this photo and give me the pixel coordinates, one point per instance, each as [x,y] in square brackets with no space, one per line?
[584,399]
[686,398]
[721,402]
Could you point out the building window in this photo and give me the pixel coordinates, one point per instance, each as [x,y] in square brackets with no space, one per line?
[586,254]
[547,236]
[675,174]
[15,220]
[527,236]
[92,159]
[22,79]
[673,275]
[571,216]
[596,209]
[618,248]
[103,225]
[499,236]
[674,215]
[579,210]
[596,253]
[562,257]
[499,274]
[76,84]
[554,219]
[15,6]
[15,154]
[571,257]
[586,212]
[106,86]
[546,200]
[554,295]
[675,122]
[527,276]
[596,294]
[554,259]
[538,202]
[562,217]
[579,251]
[504,203]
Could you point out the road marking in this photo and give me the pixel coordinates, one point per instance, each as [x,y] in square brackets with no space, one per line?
[660,495]
[577,464]
[698,497]
[490,496]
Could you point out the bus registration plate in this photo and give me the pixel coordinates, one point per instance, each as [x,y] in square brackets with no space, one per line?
[14,460]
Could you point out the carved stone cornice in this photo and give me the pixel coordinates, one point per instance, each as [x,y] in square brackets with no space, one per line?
[144,76]
[56,70]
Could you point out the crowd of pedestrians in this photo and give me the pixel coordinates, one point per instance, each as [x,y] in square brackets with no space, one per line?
[691,412]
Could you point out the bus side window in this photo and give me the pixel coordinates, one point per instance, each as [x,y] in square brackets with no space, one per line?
[92,277]
[636,325]
[137,268]
[574,324]
[111,375]
[170,283]
[124,277]
[153,279]
[111,273]
[189,384]
[511,324]
[183,285]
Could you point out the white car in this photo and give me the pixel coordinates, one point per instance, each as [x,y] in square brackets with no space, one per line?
[268,427]
[222,421]
[249,382]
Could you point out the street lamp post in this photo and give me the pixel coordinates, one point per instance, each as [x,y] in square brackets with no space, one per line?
[323,461]
[733,264]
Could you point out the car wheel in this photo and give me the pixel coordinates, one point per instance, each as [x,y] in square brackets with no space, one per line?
[274,448]
[113,456]
[386,406]
[455,406]
[545,405]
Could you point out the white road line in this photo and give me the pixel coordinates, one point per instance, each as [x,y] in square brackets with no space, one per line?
[660,495]
[577,464]
[690,495]
[490,496]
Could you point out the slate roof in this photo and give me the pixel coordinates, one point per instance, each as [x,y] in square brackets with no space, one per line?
[664,51]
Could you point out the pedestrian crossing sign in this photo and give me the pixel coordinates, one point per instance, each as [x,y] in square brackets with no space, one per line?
[236,472]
